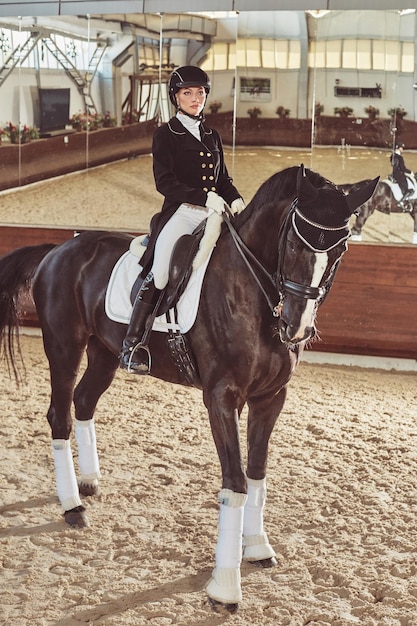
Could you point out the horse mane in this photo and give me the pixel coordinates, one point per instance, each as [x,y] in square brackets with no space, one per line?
[280,186]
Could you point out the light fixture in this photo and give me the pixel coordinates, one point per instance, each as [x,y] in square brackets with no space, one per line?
[317,13]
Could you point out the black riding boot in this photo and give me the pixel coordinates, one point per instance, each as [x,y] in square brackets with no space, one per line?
[135,356]
[406,198]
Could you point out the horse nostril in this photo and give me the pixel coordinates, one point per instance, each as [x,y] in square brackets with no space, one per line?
[286,331]
[292,334]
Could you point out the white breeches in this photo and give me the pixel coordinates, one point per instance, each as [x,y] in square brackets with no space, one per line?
[185,219]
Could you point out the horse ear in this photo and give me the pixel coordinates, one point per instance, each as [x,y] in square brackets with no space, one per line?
[362,195]
[305,190]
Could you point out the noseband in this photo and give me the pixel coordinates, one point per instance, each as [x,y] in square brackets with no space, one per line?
[281,284]
[284,284]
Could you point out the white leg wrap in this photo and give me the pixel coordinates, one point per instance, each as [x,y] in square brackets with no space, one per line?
[253,523]
[224,585]
[255,540]
[257,548]
[87,450]
[229,543]
[66,481]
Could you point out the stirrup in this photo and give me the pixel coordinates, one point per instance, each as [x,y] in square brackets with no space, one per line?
[141,367]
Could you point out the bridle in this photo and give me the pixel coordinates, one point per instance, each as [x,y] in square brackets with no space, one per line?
[279,283]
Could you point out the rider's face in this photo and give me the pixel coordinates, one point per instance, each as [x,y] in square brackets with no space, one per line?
[191,99]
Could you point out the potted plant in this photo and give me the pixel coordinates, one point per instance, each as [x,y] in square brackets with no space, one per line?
[254,112]
[282,112]
[318,108]
[86,121]
[397,112]
[18,133]
[343,111]
[215,106]
[107,120]
[131,118]
[372,112]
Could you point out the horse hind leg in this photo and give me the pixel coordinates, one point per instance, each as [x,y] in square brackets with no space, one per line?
[414,217]
[97,378]
[63,364]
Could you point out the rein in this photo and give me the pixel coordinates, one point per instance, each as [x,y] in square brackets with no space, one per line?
[247,254]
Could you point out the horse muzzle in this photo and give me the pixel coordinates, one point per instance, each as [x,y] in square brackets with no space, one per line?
[292,335]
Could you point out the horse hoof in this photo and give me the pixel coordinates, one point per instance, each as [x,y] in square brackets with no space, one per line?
[77,517]
[265,563]
[222,608]
[88,489]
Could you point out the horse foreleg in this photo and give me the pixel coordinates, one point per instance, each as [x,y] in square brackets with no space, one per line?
[261,421]
[257,548]
[224,585]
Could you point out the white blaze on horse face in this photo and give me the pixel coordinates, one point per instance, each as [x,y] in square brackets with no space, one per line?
[307,318]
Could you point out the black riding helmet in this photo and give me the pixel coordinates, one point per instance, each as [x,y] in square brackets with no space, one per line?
[187,76]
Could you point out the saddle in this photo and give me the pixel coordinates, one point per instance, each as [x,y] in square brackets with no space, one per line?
[396,190]
[180,269]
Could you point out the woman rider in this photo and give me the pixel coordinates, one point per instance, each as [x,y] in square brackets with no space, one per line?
[399,171]
[190,172]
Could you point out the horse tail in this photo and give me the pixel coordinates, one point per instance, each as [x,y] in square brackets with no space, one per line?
[17,269]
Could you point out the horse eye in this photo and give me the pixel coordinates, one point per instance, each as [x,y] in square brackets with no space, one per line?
[291,245]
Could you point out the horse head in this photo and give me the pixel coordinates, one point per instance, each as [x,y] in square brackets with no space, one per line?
[312,241]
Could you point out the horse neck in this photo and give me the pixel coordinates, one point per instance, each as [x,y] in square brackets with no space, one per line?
[261,229]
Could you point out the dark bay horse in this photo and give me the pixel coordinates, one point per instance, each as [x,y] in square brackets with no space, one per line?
[383,201]
[249,335]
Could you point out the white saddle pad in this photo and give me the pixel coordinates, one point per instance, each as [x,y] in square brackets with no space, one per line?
[395,188]
[119,307]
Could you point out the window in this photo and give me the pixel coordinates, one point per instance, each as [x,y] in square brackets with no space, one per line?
[333,53]
[317,54]
[363,54]
[407,57]
[294,54]
[220,56]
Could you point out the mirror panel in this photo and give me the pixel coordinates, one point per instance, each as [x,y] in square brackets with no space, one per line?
[281,82]
[364,66]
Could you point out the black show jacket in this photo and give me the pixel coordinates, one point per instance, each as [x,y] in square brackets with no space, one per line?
[185,170]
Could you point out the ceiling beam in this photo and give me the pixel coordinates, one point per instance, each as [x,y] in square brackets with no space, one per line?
[83,7]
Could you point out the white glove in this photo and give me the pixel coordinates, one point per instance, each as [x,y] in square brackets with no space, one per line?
[215,202]
[237,206]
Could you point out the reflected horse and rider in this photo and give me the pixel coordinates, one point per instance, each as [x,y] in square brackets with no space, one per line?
[397,193]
